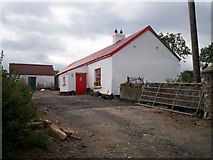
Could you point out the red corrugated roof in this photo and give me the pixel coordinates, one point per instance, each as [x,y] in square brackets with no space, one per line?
[109,51]
[31,69]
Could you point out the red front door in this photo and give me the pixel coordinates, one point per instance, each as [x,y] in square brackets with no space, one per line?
[80,83]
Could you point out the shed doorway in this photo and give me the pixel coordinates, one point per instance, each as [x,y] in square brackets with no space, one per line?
[32,82]
[80,83]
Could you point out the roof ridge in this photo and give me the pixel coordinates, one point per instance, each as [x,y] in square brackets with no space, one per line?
[31,64]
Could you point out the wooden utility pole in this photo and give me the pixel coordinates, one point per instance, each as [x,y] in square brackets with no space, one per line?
[194,41]
[1,58]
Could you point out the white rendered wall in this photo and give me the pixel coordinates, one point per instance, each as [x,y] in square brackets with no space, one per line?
[145,57]
[45,81]
[106,75]
[70,79]
[64,87]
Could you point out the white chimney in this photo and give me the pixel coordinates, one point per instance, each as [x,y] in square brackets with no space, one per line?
[118,36]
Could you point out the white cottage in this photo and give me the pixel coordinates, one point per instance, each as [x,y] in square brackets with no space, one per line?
[36,75]
[141,54]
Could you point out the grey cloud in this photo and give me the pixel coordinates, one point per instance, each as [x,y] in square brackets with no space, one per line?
[98,17]
[23,57]
[95,19]
[32,43]
[23,8]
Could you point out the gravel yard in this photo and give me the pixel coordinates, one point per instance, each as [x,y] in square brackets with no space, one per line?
[119,129]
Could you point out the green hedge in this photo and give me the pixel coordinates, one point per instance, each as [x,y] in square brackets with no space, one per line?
[18,108]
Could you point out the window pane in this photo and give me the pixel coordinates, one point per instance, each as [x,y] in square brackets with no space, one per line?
[97,77]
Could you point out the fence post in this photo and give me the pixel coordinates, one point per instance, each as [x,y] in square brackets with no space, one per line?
[208,92]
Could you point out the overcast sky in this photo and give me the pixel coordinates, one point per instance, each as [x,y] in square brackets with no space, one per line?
[60,33]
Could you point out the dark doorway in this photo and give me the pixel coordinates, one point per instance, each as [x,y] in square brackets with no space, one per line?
[32,82]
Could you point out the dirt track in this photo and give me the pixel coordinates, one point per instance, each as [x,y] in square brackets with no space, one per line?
[115,129]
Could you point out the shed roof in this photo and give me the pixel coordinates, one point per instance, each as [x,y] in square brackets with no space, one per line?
[111,50]
[31,69]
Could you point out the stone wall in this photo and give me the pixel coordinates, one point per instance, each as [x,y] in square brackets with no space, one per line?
[208,92]
[130,91]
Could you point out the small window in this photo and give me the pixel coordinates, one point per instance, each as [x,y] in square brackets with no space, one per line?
[64,83]
[97,77]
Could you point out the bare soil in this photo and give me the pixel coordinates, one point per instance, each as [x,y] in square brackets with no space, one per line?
[119,129]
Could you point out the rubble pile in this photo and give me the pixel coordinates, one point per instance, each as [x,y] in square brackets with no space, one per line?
[60,133]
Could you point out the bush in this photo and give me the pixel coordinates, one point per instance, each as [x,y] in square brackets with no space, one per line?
[35,138]
[186,76]
[89,90]
[18,108]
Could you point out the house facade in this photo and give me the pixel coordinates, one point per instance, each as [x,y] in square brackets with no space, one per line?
[36,75]
[142,54]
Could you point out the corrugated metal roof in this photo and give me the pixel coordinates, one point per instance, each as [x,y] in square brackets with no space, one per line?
[109,51]
[31,69]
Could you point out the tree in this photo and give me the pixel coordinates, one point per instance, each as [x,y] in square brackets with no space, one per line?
[206,56]
[176,43]
[186,76]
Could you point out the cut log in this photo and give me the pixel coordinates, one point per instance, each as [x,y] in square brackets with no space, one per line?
[55,132]
[70,133]
[46,122]
[75,136]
